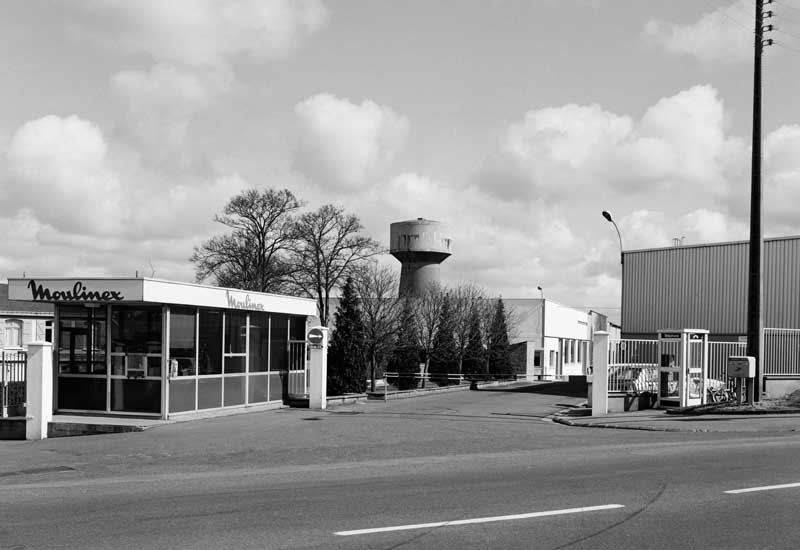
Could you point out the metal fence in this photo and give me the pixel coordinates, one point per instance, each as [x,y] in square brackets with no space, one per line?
[632,365]
[781,351]
[13,370]
[298,373]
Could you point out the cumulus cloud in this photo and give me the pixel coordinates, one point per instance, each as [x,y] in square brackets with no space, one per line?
[782,178]
[162,101]
[679,143]
[722,35]
[208,32]
[344,144]
[58,167]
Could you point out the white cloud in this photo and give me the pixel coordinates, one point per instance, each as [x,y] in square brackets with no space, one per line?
[209,32]
[58,168]
[722,35]
[347,145]
[782,179]
[680,143]
[162,101]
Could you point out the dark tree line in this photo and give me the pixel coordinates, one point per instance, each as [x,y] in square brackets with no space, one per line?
[440,333]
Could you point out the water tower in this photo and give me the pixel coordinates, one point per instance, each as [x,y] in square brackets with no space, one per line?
[420,245]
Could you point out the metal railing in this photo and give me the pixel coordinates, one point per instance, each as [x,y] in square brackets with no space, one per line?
[298,373]
[718,353]
[632,365]
[13,370]
[781,351]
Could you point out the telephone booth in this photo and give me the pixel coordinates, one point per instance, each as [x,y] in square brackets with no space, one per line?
[683,367]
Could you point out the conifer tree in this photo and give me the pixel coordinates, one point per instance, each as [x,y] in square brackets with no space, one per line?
[346,354]
[405,357]
[443,355]
[474,362]
[499,351]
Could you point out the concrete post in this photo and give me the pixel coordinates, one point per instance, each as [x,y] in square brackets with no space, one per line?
[39,390]
[318,372]
[600,373]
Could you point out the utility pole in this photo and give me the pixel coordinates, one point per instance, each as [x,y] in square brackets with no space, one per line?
[755,291]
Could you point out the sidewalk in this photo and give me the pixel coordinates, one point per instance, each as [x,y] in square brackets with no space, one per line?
[659,420]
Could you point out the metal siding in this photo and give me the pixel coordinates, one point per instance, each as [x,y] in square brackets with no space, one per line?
[706,287]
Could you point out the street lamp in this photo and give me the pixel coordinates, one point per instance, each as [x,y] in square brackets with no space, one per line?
[607,215]
[541,292]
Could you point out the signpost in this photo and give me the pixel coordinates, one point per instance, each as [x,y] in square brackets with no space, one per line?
[315,337]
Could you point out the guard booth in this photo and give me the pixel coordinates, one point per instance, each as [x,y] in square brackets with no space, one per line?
[683,367]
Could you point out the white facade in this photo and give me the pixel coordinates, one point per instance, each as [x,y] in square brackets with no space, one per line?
[553,340]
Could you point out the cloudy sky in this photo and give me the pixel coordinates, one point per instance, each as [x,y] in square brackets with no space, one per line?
[124,126]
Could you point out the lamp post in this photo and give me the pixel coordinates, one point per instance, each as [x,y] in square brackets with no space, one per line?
[541,292]
[607,216]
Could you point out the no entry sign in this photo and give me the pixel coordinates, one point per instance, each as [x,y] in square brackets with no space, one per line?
[314,337]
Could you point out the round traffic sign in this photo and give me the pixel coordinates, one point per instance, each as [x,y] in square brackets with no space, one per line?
[315,336]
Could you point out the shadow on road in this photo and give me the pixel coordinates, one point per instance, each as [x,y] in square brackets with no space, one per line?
[551,388]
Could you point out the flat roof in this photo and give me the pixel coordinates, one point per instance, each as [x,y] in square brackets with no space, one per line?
[707,245]
[112,290]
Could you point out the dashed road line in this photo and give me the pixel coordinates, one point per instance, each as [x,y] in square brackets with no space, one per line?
[764,488]
[478,520]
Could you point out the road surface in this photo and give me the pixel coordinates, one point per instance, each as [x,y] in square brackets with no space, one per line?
[480,469]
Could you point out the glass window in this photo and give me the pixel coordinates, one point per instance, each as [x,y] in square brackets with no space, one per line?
[259,342]
[13,333]
[48,331]
[297,327]
[279,342]
[235,332]
[210,342]
[82,340]
[136,330]
[182,323]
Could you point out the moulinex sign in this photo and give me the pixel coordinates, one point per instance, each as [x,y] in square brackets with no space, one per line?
[76,290]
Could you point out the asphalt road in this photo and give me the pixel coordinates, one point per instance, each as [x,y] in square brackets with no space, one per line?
[489,461]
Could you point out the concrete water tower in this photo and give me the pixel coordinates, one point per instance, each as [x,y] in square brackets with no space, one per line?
[420,245]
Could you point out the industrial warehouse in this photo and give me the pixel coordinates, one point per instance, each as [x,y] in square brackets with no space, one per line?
[705,287]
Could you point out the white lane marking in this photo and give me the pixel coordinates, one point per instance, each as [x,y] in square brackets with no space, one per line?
[479,520]
[765,488]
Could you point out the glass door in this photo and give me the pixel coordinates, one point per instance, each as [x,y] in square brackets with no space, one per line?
[81,358]
[136,358]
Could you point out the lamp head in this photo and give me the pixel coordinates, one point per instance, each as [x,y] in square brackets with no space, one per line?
[607,215]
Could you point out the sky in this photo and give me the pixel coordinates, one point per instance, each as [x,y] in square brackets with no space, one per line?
[125,126]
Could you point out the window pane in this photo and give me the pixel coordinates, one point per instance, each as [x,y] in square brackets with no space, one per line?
[82,340]
[182,339]
[298,328]
[279,335]
[235,332]
[258,389]
[234,363]
[181,395]
[136,330]
[209,393]
[259,342]
[210,342]
[234,390]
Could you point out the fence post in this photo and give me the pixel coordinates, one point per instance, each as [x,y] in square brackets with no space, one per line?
[39,390]
[600,373]
[318,368]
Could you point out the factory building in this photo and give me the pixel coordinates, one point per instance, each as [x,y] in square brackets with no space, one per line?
[705,286]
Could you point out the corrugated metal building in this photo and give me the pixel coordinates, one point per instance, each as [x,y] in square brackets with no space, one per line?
[705,286]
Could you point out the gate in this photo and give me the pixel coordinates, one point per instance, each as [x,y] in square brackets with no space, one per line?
[298,373]
[13,370]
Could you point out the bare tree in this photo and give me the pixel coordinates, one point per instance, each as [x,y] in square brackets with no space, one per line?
[253,255]
[427,317]
[327,249]
[380,311]
[466,297]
